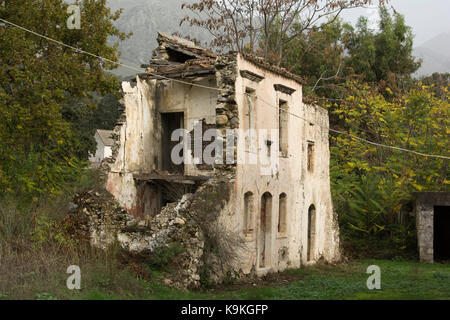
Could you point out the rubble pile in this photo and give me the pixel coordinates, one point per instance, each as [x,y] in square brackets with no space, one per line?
[97,218]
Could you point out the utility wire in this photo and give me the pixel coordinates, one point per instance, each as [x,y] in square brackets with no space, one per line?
[219,89]
[106,59]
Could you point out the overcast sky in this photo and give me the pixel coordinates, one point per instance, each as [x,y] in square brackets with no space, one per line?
[428,18]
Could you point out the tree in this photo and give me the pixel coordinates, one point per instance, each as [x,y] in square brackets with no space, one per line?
[239,25]
[384,57]
[37,77]
[372,184]
[329,55]
[87,115]
[318,57]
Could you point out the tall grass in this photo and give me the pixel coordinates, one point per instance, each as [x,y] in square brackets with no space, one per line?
[35,251]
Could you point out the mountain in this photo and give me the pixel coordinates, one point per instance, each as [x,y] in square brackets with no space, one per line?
[435,54]
[145,18]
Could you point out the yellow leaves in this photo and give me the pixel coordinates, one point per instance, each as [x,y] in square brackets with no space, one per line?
[417,187]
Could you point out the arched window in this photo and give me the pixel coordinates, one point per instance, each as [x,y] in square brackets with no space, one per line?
[248,213]
[282,212]
[311,231]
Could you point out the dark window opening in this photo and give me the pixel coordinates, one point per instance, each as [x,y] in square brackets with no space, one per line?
[265,235]
[250,97]
[310,155]
[177,56]
[248,213]
[311,232]
[441,241]
[282,212]
[283,113]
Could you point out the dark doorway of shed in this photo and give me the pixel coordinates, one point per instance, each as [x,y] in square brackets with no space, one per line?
[441,245]
[171,122]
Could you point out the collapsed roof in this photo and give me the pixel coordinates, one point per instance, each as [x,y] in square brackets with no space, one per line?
[176,57]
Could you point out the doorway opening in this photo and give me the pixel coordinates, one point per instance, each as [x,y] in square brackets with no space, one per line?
[441,238]
[265,230]
[170,122]
[311,232]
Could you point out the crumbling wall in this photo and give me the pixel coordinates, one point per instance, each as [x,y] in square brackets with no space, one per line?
[135,137]
[96,218]
[193,223]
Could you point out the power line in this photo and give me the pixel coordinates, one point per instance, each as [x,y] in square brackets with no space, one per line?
[355,137]
[105,59]
[217,89]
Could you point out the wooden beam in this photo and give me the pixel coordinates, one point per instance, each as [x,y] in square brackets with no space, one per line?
[170,177]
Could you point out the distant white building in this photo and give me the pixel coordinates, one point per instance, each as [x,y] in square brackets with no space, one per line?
[104,144]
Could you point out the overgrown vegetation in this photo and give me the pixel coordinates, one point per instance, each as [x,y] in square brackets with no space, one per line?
[223,246]
[364,76]
[373,186]
[40,146]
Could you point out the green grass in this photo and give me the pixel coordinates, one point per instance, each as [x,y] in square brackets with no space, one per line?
[399,280]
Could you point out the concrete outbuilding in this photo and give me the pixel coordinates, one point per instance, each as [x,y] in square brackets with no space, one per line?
[432,211]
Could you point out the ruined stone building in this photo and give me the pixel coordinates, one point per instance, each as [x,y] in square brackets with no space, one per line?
[283,210]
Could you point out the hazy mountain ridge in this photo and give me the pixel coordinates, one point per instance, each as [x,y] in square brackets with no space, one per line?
[145,17]
[435,54]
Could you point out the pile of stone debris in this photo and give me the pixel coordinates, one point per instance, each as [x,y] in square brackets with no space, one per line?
[96,217]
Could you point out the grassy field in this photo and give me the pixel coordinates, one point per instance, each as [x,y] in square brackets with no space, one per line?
[399,280]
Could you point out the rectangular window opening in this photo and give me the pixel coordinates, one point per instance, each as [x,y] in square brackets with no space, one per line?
[283,116]
[310,155]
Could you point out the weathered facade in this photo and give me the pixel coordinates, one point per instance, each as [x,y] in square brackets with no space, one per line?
[282,210]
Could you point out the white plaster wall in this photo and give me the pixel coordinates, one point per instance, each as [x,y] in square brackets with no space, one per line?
[140,148]
[107,152]
[197,103]
[302,188]
[99,152]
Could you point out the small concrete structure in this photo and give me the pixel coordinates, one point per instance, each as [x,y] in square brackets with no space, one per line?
[432,211]
[104,144]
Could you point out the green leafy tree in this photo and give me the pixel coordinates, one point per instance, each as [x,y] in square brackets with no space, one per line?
[37,145]
[317,56]
[87,115]
[383,57]
[371,184]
